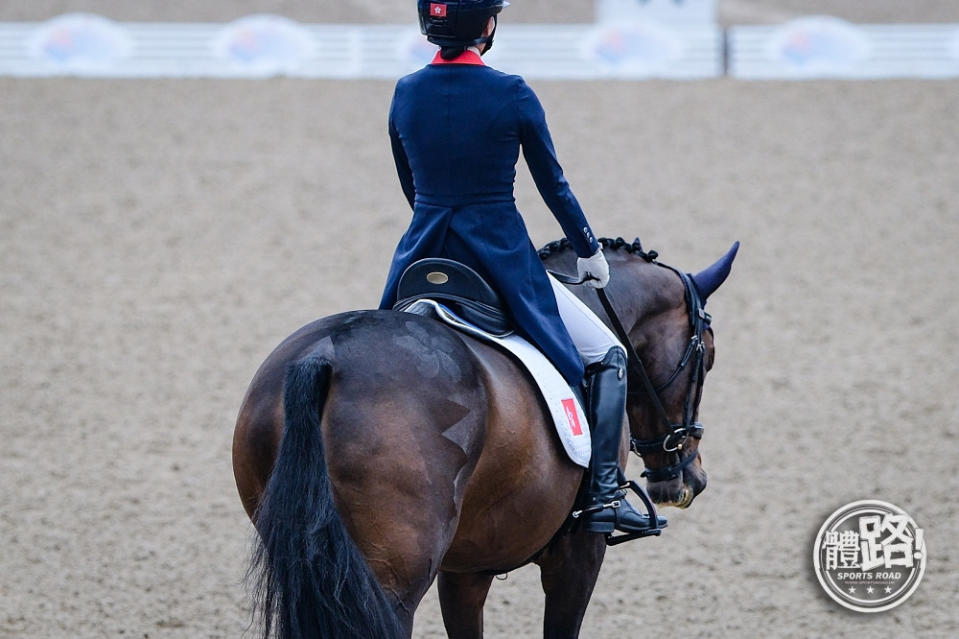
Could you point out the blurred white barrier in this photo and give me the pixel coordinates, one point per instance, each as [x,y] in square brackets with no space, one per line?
[259,46]
[78,43]
[626,50]
[825,47]
[264,46]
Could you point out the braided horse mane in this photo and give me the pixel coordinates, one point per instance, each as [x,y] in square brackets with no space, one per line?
[634,248]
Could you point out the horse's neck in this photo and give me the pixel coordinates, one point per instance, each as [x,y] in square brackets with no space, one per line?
[638,289]
[642,290]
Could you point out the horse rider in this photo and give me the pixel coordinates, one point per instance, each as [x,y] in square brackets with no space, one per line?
[456,128]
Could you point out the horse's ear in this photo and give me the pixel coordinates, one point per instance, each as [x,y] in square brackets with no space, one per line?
[708,280]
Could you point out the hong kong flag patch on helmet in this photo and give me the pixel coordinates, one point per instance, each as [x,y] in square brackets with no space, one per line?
[438,9]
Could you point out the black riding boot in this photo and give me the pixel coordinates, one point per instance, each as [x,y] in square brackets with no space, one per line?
[607,507]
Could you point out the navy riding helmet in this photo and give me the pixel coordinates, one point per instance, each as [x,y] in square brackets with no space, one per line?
[458,23]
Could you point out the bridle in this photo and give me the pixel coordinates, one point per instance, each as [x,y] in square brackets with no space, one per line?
[674,440]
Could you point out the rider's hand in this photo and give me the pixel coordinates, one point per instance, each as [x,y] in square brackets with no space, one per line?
[595,267]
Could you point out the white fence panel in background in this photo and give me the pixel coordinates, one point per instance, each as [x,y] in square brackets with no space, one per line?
[627,50]
[263,46]
[824,47]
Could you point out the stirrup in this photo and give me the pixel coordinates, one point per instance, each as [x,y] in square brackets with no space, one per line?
[654,530]
[613,539]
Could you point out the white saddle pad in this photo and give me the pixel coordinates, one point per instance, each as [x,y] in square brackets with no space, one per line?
[564,407]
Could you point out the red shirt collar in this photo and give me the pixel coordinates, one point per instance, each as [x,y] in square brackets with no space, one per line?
[467,57]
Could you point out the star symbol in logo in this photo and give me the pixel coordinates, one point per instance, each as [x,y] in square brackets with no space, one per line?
[888,589]
[870,590]
[852,589]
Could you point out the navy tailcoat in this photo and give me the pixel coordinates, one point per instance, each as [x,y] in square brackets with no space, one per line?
[456,131]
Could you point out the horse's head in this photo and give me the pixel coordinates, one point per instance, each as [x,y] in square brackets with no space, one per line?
[670,331]
[661,310]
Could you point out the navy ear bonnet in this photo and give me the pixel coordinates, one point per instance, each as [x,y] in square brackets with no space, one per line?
[708,280]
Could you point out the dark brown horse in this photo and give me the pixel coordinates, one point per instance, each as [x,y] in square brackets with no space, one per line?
[376,451]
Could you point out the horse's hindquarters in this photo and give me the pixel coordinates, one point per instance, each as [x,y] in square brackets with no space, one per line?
[405,427]
[523,486]
[437,450]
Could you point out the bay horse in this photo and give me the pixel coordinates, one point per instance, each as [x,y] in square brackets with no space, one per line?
[376,451]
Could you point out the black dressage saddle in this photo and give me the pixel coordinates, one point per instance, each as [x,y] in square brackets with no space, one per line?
[459,288]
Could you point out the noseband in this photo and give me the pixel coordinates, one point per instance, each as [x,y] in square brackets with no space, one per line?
[677,433]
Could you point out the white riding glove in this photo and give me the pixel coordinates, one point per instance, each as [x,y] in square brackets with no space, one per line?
[595,267]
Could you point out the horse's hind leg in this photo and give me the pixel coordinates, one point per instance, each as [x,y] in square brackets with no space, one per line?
[461,599]
[568,571]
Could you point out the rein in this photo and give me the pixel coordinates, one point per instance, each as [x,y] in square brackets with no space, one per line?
[674,440]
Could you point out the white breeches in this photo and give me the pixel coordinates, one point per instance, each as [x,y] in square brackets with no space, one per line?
[590,336]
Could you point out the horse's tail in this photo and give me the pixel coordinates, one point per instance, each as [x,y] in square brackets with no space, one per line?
[308,576]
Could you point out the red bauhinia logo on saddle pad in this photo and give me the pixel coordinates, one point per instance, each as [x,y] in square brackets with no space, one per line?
[437,9]
[569,405]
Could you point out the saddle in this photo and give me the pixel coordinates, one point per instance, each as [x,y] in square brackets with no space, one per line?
[458,287]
